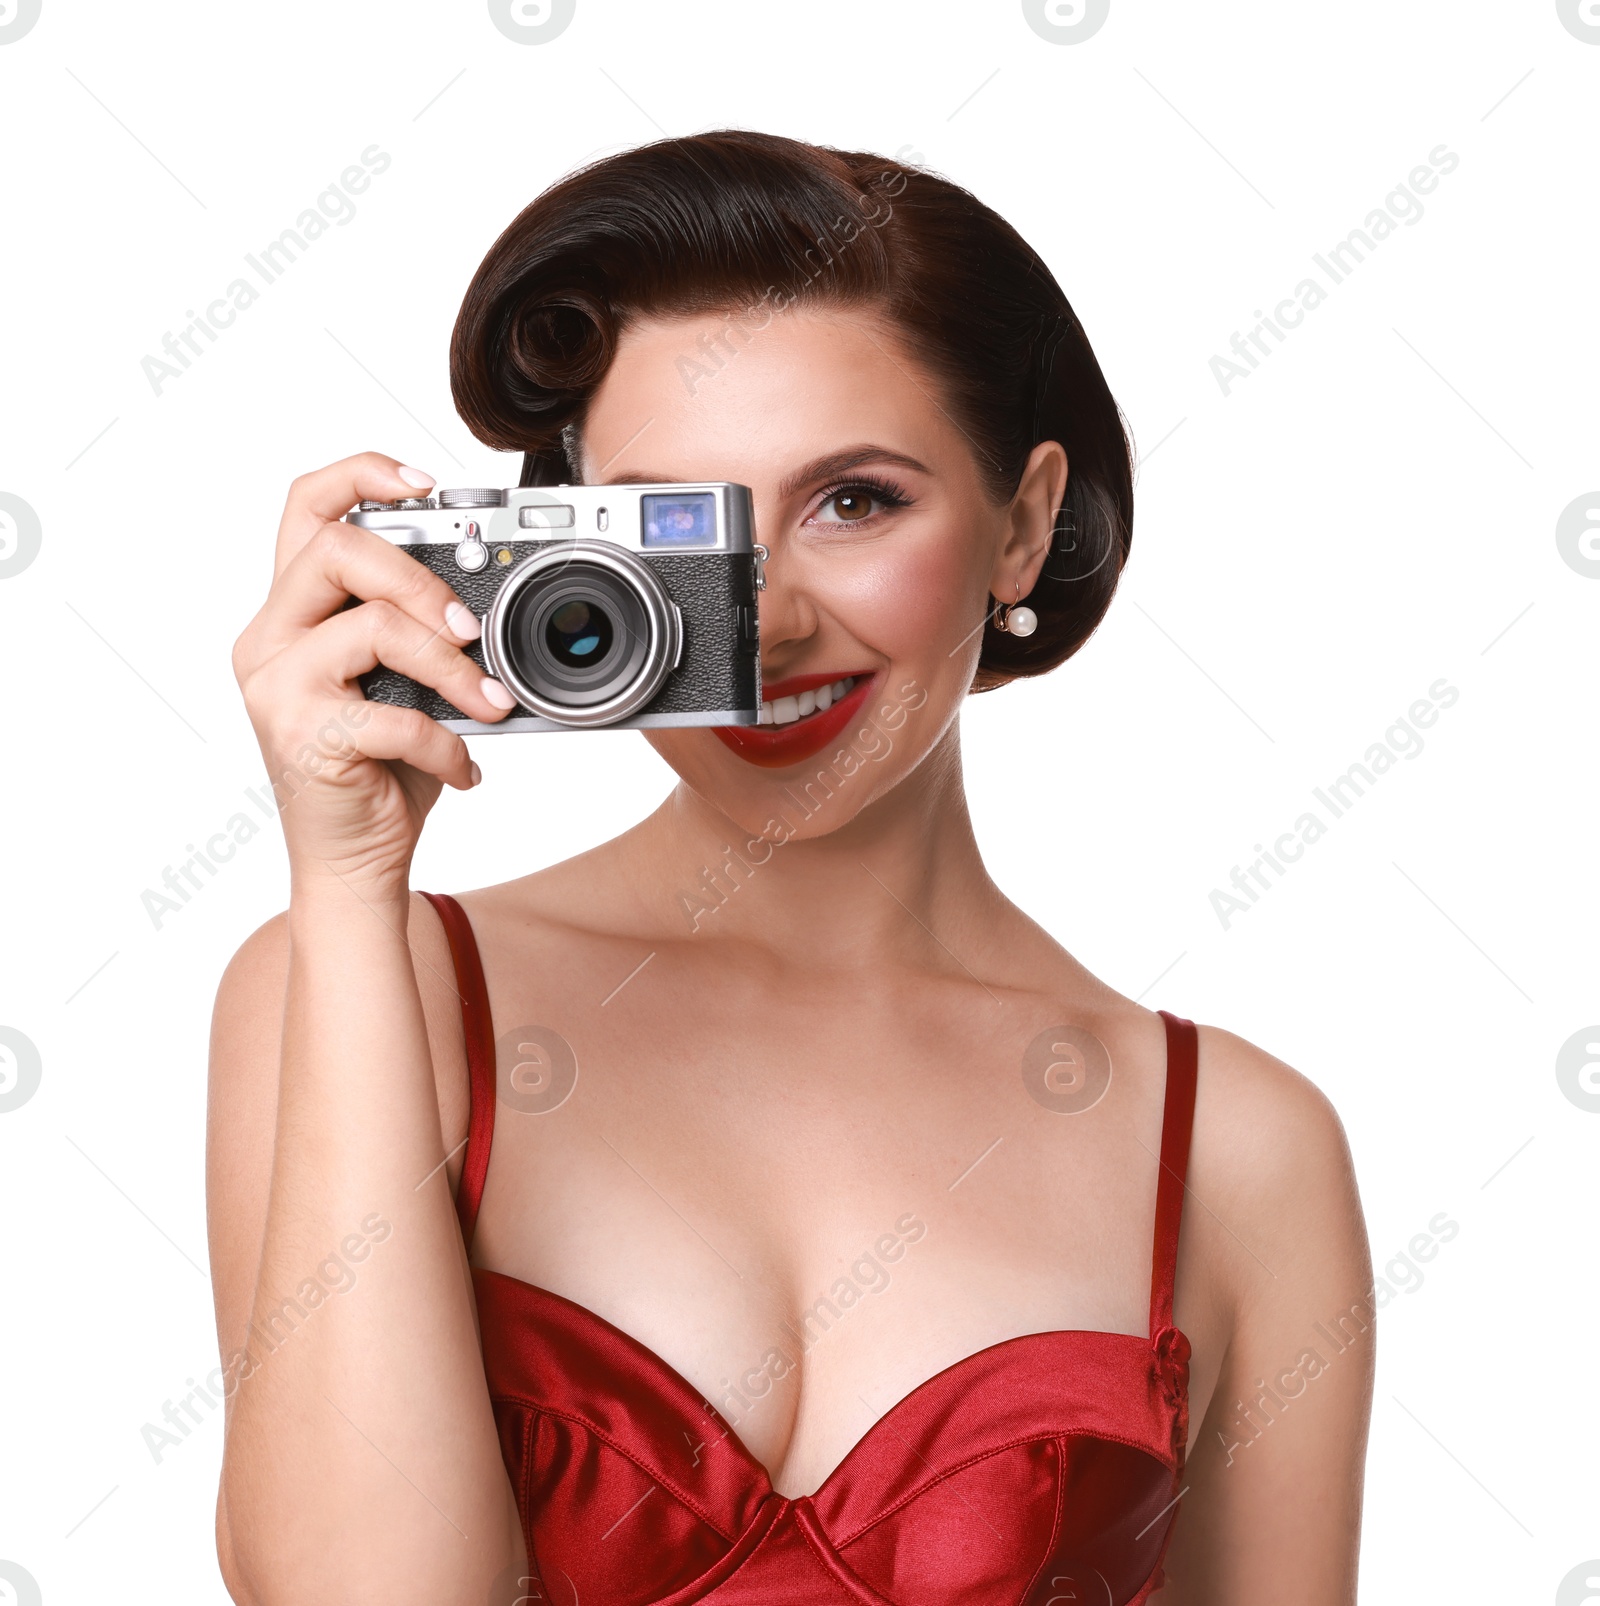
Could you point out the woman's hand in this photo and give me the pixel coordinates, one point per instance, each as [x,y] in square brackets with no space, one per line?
[332,1085]
[355,780]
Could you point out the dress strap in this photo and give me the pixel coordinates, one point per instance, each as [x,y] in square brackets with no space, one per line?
[1176,1123]
[479,1032]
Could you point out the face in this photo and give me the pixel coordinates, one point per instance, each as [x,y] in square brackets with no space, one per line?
[884,546]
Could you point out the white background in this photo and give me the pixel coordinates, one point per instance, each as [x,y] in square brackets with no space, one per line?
[1372,509]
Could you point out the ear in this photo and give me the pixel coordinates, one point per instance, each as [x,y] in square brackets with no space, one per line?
[1030,523]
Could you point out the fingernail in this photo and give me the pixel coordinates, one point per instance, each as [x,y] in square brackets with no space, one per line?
[495,693]
[415,476]
[477,775]
[461,621]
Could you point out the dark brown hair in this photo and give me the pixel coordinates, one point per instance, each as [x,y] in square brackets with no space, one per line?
[734,222]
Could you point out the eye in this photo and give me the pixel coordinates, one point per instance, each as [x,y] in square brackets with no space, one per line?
[849,506]
[859,502]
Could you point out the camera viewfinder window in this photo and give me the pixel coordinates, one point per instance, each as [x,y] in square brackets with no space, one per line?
[671,521]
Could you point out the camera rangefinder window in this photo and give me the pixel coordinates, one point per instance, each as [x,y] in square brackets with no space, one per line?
[545,517]
[689,520]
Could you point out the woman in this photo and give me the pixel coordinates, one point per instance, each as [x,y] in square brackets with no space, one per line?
[830,1249]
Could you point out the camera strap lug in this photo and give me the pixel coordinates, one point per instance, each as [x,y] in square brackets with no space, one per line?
[761,566]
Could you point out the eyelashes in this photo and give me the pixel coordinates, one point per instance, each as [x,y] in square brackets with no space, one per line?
[887,496]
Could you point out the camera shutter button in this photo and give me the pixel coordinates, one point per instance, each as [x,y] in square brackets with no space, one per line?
[472,554]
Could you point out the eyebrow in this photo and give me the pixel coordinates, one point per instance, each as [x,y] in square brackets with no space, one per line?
[828,467]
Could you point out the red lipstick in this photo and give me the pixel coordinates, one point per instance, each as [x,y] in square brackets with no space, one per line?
[776,746]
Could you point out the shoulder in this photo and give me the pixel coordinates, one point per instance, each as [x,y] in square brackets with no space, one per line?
[1266,1143]
[247,1022]
[1271,1160]
[1266,1119]
[256,975]
[1263,1132]
[1274,1235]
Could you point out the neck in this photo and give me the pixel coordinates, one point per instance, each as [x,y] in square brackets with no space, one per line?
[903,874]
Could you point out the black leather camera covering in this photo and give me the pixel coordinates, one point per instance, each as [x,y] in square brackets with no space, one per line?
[717,670]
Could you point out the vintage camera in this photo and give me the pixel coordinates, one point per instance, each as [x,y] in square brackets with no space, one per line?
[601,605]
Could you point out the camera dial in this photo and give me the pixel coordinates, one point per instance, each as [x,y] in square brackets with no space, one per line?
[472,496]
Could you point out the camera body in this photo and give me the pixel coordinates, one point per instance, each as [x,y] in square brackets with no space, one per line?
[603,606]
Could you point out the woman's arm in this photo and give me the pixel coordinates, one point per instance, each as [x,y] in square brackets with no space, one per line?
[361,1461]
[1272,1508]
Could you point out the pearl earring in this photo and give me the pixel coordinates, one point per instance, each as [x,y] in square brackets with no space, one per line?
[1015,620]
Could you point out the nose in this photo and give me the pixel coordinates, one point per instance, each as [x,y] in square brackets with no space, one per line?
[788,614]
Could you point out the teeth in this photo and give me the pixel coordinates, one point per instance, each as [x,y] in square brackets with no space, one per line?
[786,710]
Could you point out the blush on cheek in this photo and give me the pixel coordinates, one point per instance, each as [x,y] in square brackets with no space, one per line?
[918,610]
[904,603]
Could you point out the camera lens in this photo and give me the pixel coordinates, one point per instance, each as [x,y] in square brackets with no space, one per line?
[583,634]
[578,634]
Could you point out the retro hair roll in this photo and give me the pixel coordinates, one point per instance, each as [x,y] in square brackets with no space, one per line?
[749,223]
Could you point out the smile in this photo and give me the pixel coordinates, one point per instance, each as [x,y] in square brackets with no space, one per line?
[800,715]
[786,710]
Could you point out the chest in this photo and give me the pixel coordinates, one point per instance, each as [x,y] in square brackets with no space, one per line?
[808,1203]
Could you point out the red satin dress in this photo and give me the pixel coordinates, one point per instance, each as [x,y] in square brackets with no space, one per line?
[1043,1469]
